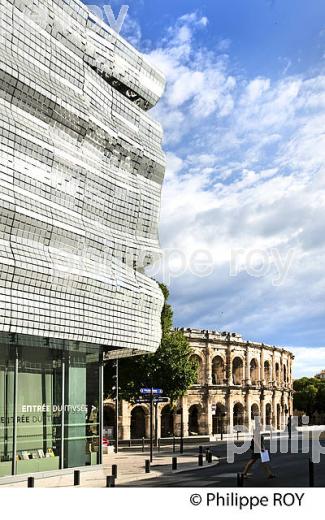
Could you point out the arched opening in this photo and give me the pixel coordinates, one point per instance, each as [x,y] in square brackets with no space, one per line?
[284,374]
[254,372]
[267,372]
[193,420]
[238,415]
[278,417]
[219,420]
[268,415]
[138,423]
[277,372]
[167,421]
[237,371]
[255,411]
[109,421]
[198,361]
[218,371]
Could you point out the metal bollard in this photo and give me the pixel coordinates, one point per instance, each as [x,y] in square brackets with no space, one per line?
[200,449]
[174,444]
[142,444]
[147,466]
[114,470]
[210,457]
[201,459]
[110,481]
[237,435]
[240,480]
[311,473]
[174,464]
[31,482]
[76,478]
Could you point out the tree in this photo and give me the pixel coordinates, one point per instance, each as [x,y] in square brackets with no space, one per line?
[309,395]
[170,368]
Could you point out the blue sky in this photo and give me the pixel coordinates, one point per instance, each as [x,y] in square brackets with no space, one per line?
[243,204]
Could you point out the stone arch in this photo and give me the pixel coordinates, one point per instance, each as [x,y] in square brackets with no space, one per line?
[277,372]
[284,371]
[194,414]
[218,419]
[138,422]
[267,372]
[109,416]
[255,411]
[200,374]
[218,370]
[167,421]
[254,371]
[268,414]
[238,414]
[238,370]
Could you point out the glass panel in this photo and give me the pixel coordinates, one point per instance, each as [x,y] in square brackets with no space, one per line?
[81,407]
[6,411]
[39,410]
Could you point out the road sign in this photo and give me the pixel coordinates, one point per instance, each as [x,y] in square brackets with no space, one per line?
[154,391]
[146,400]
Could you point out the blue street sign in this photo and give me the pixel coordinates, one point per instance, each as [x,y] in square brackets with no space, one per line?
[154,391]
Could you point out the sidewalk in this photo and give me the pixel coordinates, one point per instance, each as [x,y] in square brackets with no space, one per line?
[130,467]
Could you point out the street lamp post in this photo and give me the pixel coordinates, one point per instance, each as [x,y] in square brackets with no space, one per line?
[116,405]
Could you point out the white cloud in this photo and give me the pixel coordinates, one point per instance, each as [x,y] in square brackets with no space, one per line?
[308,361]
[245,170]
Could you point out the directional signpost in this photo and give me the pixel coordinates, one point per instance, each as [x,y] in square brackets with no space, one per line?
[150,395]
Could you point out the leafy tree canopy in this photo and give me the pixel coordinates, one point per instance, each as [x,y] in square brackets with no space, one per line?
[170,368]
[309,395]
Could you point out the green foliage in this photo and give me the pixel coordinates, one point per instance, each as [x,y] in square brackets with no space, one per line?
[170,368]
[309,395]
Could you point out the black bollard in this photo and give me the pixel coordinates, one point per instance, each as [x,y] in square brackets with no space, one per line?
[237,435]
[240,480]
[76,478]
[114,470]
[200,449]
[110,481]
[311,473]
[142,444]
[201,459]
[147,466]
[174,464]
[158,445]
[30,482]
[210,457]
[174,444]
[207,451]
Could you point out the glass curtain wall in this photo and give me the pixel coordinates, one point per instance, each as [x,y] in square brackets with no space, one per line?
[57,420]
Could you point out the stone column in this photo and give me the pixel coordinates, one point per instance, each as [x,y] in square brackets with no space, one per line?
[262,366]
[273,378]
[229,420]
[125,421]
[274,410]
[248,410]
[248,366]
[229,363]
[184,404]
[208,364]
[209,415]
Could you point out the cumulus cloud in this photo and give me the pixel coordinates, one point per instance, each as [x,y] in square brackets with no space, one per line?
[245,177]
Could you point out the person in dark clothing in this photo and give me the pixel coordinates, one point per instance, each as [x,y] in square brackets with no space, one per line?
[255,456]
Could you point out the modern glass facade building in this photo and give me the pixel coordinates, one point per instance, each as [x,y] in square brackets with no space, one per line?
[81,169]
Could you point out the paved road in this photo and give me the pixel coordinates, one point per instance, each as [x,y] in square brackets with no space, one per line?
[292,470]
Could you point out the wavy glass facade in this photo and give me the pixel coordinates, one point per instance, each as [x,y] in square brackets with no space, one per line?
[81,169]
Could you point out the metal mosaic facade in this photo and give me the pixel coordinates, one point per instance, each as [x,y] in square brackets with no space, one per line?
[81,169]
